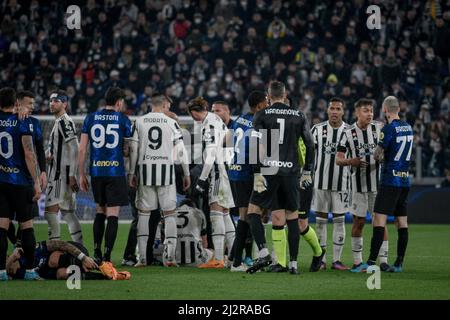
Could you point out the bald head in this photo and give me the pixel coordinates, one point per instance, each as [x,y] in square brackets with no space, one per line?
[391,105]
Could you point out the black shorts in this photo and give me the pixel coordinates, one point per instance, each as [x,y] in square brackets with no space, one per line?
[16,202]
[282,194]
[110,191]
[391,201]
[306,196]
[242,191]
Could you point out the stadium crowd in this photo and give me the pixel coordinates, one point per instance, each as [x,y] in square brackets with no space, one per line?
[223,50]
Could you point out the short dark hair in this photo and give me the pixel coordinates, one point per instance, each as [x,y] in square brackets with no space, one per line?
[363,102]
[339,100]
[198,104]
[276,89]
[24,93]
[224,103]
[255,98]
[113,94]
[7,97]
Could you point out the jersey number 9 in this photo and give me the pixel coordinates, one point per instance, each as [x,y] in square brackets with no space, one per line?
[155,138]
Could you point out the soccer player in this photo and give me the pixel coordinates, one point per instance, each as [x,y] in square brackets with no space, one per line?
[19,181]
[222,109]
[331,182]
[155,140]
[214,174]
[280,126]
[240,173]
[106,131]
[395,147]
[360,141]
[60,194]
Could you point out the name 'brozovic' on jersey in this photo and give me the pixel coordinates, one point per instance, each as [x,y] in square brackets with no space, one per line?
[13,168]
[397,141]
[107,130]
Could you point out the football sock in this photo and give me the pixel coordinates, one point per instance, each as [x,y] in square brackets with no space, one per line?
[155,218]
[249,243]
[239,242]
[110,236]
[142,234]
[3,247]
[338,237]
[377,241]
[218,233]
[12,233]
[74,225]
[402,243]
[293,238]
[279,243]
[357,247]
[99,230]
[54,230]
[311,237]
[384,250]
[230,233]
[28,246]
[170,235]
[321,228]
[292,264]
[257,228]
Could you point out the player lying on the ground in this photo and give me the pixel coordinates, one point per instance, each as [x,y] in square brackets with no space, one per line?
[53,257]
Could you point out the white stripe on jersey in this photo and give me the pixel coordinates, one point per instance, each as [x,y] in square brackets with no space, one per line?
[362,144]
[63,131]
[156,134]
[213,131]
[327,174]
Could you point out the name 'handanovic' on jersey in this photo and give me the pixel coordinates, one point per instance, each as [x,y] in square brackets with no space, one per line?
[240,168]
[106,130]
[397,141]
[13,168]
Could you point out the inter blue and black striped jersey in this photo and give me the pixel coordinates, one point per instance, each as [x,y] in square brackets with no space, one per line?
[397,141]
[240,168]
[107,130]
[13,168]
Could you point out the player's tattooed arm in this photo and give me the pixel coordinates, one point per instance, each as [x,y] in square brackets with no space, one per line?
[126,147]
[379,154]
[30,156]
[59,245]
[81,159]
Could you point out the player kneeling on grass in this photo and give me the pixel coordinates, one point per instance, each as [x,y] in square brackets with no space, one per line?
[53,257]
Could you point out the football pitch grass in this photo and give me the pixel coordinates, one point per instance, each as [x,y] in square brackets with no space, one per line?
[426,275]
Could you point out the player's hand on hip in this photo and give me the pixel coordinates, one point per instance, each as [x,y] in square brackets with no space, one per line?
[89,264]
[186,182]
[37,190]
[259,183]
[84,184]
[73,183]
[43,180]
[305,180]
[132,181]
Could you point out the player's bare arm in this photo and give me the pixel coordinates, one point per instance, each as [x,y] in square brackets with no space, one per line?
[133,147]
[182,155]
[126,147]
[341,160]
[73,152]
[30,159]
[84,184]
[59,245]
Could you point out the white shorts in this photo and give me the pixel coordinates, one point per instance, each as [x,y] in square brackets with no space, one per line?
[363,202]
[220,190]
[150,198]
[58,192]
[331,201]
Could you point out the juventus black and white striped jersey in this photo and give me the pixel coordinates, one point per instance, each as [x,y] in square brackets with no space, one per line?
[362,144]
[327,174]
[63,131]
[156,135]
[190,223]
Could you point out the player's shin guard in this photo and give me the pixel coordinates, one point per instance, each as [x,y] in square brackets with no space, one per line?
[257,228]
[357,247]
[311,237]
[74,225]
[384,252]
[3,248]
[110,236]
[142,235]
[321,228]
[170,235]
[99,231]
[230,233]
[402,243]
[218,233]
[279,243]
[239,242]
[54,230]
[338,237]
[155,218]
[377,241]
[28,246]
[293,238]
